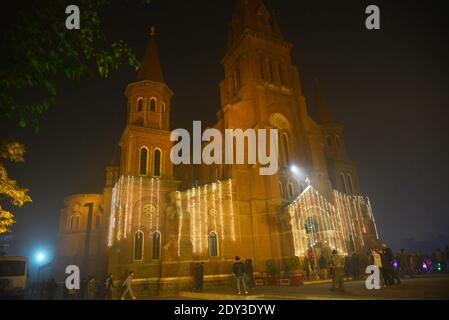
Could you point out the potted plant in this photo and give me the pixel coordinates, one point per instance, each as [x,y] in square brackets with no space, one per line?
[272,272]
[291,268]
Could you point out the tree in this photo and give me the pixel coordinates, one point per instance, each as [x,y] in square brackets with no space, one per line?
[36,48]
[11,151]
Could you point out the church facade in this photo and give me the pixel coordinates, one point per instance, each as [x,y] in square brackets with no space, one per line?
[158,219]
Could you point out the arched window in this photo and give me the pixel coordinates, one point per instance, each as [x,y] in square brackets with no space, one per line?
[138,245]
[143,161]
[153,104]
[281,74]
[281,189]
[157,155]
[217,174]
[337,140]
[156,253]
[72,223]
[349,183]
[329,140]
[291,190]
[343,182]
[139,104]
[285,149]
[213,245]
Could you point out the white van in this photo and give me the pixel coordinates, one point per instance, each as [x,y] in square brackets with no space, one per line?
[13,276]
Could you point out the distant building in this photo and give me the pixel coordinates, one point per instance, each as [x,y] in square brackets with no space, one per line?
[157,219]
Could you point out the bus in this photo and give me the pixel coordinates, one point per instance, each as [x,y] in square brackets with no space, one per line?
[13,276]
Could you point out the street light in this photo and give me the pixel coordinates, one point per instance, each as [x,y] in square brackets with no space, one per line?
[295,170]
[40,257]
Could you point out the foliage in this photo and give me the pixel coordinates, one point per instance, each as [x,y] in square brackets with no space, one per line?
[37,48]
[14,152]
[272,269]
[291,264]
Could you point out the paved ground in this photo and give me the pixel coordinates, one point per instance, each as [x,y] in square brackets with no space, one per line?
[425,287]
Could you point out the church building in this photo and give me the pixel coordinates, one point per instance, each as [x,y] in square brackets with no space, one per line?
[158,219]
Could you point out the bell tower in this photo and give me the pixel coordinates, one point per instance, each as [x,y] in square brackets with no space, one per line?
[145,143]
[149,97]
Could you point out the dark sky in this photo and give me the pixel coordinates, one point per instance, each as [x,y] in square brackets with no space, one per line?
[389,88]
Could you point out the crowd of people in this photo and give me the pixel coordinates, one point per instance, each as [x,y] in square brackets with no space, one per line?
[243,275]
[392,268]
[90,289]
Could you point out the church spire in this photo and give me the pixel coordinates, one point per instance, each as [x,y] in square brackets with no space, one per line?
[150,68]
[253,15]
[323,112]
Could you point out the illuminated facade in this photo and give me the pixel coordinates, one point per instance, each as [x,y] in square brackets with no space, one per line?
[157,219]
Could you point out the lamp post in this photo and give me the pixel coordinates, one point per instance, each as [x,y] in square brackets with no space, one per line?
[40,258]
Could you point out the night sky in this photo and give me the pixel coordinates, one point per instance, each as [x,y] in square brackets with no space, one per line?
[389,88]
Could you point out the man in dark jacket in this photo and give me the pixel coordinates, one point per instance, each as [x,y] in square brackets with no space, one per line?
[108,285]
[199,276]
[238,271]
[387,264]
[249,271]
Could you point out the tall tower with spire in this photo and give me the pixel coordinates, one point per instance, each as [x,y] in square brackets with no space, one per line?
[342,171]
[142,196]
[145,144]
[261,89]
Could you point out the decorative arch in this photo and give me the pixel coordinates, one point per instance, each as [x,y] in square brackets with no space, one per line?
[138,245]
[291,189]
[156,245]
[152,104]
[329,140]
[157,162]
[139,104]
[285,144]
[343,182]
[213,244]
[349,183]
[143,160]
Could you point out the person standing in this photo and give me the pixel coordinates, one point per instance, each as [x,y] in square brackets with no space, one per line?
[387,264]
[322,263]
[249,271]
[238,270]
[51,288]
[377,261]
[338,276]
[128,286]
[405,268]
[108,285]
[306,267]
[199,276]
[91,289]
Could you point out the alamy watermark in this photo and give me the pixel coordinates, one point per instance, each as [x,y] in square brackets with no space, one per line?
[229,149]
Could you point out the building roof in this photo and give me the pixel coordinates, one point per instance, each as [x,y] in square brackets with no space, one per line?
[150,67]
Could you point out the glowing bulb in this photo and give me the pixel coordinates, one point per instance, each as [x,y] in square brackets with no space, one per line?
[295,170]
[40,257]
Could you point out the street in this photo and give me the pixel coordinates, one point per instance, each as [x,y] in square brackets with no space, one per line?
[421,288]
